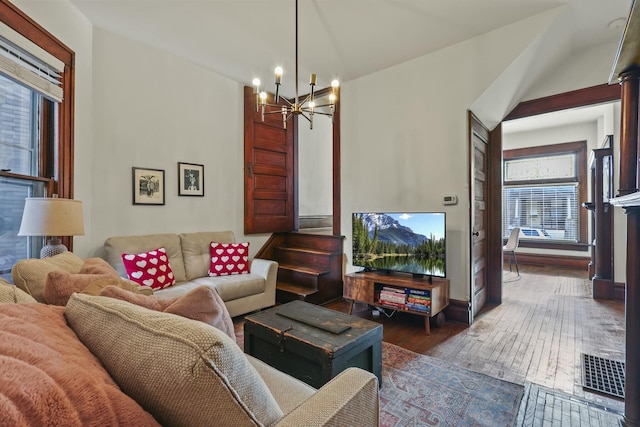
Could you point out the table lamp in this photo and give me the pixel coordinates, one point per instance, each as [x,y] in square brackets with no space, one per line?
[52,217]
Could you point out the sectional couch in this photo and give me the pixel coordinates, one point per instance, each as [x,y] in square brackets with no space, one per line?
[103,361]
[189,258]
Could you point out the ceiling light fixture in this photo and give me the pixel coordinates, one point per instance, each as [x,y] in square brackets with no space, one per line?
[306,107]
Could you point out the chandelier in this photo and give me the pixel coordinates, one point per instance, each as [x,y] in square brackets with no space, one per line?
[306,107]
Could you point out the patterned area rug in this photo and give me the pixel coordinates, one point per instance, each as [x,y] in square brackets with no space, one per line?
[420,390]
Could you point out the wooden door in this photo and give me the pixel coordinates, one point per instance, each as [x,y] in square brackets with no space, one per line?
[269,193]
[479,144]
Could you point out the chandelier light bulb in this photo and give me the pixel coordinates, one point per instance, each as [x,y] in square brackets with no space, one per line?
[305,106]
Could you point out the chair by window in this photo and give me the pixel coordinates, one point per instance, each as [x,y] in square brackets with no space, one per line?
[511,246]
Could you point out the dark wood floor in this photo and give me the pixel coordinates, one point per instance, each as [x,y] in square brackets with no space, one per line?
[547,319]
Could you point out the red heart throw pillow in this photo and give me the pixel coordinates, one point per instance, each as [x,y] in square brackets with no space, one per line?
[149,268]
[229,258]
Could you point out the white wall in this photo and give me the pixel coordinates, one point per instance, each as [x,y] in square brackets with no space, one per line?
[610,125]
[619,216]
[315,166]
[153,110]
[405,142]
[586,68]
[138,106]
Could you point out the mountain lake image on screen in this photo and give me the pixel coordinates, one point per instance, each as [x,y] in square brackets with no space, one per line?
[412,242]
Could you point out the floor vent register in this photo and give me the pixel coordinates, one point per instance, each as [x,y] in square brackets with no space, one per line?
[603,375]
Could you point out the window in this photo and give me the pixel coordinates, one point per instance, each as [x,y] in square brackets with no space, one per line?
[19,148]
[36,148]
[542,194]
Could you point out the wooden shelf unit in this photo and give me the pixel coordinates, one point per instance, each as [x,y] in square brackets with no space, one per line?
[362,287]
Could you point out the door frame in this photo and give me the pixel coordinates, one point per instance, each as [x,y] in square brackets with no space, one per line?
[577,98]
[573,99]
[336,165]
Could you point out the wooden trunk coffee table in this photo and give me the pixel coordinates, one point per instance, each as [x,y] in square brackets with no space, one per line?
[313,343]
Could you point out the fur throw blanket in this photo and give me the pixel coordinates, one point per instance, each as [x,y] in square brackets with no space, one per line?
[49,378]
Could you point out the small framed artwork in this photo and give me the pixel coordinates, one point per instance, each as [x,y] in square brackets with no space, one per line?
[148,186]
[190,179]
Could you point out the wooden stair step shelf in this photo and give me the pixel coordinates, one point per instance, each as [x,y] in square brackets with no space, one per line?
[365,287]
[309,266]
[303,292]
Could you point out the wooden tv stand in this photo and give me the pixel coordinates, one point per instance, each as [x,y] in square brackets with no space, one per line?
[362,287]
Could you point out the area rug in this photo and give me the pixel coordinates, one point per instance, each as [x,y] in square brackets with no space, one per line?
[420,390]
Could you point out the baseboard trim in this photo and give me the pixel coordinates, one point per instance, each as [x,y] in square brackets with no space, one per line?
[608,289]
[573,262]
[619,291]
[457,311]
[602,288]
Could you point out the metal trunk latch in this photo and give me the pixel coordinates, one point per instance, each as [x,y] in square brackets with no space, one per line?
[284,331]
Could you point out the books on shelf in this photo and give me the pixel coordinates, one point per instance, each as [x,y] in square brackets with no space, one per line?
[419,307]
[411,291]
[423,301]
[394,305]
[405,298]
[391,290]
[390,296]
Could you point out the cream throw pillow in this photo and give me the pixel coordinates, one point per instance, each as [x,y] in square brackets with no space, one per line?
[30,274]
[10,293]
[184,372]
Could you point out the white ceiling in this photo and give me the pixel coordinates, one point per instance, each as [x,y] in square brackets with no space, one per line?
[343,39]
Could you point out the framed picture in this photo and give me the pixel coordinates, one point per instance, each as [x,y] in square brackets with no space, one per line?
[148,186]
[190,179]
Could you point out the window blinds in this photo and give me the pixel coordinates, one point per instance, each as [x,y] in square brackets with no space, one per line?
[542,211]
[29,64]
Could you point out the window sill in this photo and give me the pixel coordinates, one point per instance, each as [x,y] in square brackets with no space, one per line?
[568,246]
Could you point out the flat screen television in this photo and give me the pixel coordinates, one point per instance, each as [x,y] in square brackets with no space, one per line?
[412,242]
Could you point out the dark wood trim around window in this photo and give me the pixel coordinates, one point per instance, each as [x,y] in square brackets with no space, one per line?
[63,166]
[579,148]
[546,150]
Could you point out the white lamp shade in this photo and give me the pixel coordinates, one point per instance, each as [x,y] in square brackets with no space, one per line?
[51,217]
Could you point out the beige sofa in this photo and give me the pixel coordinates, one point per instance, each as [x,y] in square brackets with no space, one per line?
[103,361]
[189,258]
